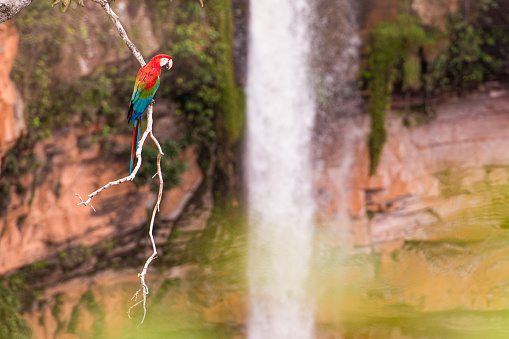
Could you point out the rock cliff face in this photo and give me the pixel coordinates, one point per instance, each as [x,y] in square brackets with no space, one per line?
[426,176]
[407,193]
[12,123]
[429,231]
[46,221]
[431,172]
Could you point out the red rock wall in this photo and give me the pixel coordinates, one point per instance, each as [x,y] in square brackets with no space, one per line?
[12,123]
[406,195]
[46,223]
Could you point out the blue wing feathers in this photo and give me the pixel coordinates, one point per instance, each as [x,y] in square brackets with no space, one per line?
[140,102]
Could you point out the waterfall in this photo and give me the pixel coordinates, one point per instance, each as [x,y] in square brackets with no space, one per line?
[280,114]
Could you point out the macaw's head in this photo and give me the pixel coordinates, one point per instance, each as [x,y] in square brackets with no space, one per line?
[162,60]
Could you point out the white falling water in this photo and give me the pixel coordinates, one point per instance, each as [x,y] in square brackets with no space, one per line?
[280,109]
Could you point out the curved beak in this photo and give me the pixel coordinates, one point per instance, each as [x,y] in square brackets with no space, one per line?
[169,64]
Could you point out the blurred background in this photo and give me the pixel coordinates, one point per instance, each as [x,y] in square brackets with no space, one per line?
[333,169]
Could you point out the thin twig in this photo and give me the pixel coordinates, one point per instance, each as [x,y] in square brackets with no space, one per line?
[136,168]
[144,287]
[148,131]
[114,17]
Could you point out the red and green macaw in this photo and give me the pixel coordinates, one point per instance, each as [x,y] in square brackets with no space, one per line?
[145,87]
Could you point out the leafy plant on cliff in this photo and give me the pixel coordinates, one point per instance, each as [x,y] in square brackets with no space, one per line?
[409,57]
[231,104]
[205,90]
[196,92]
[477,52]
[392,58]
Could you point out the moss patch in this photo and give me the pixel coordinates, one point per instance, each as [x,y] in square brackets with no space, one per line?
[12,325]
[410,58]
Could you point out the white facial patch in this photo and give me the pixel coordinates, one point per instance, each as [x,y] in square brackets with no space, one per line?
[166,62]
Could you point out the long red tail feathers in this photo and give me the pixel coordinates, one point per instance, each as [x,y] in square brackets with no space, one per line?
[134,146]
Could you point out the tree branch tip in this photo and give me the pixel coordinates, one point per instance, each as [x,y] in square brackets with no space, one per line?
[85,203]
[135,296]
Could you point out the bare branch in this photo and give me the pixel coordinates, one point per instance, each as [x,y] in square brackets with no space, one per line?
[9,8]
[114,17]
[148,131]
[85,203]
[143,288]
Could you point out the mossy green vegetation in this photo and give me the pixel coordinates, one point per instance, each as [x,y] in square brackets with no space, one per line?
[232,96]
[54,96]
[222,246]
[219,249]
[393,59]
[19,161]
[12,325]
[87,302]
[172,165]
[194,91]
[204,88]
[410,58]
[55,312]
